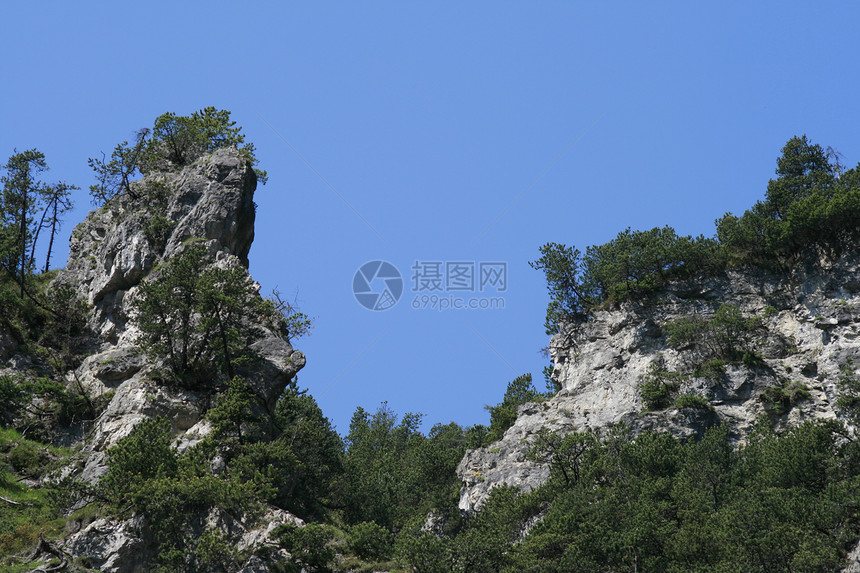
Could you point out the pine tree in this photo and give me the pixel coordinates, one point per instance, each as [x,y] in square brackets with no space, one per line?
[22,194]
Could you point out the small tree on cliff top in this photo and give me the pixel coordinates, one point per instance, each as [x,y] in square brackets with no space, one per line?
[176,140]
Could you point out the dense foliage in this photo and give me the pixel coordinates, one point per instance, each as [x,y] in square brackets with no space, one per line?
[813,204]
[503,415]
[654,503]
[634,263]
[173,141]
[727,335]
[194,318]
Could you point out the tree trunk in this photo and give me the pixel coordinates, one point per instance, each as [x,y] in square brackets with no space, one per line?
[225,347]
[22,237]
[51,240]
[38,231]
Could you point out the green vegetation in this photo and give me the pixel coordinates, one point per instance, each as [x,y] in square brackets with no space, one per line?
[310,546]
[728,335]
[146,476]
[369,540]
[115,175]
[659,387]
[813,202]
[194,319]
[778,400]
[503,415]
[294,464]
[633,264]
[173,141]
[691,401]
[25,512]
[849,397]
[49,325]
[613,502]
[294,324]
[28,206]
[384,496]
[654,503]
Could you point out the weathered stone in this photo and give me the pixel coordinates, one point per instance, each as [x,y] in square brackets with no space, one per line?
[853,565]
[601,361]
[111,546]
[112,251]
[116,246]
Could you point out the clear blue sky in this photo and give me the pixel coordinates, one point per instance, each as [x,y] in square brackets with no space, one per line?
[561,121]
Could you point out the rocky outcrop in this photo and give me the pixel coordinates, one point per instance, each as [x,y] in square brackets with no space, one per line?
[112,251]
[117,245]
[811,320]
[126,546]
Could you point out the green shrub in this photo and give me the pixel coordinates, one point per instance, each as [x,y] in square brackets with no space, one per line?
[157,230]
[424,551]
[632,264]
[848,401]
[692,401]
[194,315]
[713,370]
[370,541]
[728,335]
[142,455]
[797,391]
[753,360]
[659,386]
[778,400]
[214,553]
[503,415]
[27,458]
[657,503]
[12,398]
[309,545]
[172,142]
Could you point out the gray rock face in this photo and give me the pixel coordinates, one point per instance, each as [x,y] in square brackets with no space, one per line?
[123,546]
[812,322]
[112,251]
[110,545]
[853,560]
[116,246]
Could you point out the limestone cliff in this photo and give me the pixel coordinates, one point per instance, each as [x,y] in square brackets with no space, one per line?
[810,319]
[112,251]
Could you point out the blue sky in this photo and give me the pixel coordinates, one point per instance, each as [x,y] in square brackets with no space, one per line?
[442,132]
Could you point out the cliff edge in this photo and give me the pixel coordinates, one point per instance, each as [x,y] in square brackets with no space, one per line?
[807,326]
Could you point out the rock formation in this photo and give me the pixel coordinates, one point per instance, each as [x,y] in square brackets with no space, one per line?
[811,322]
[112,251]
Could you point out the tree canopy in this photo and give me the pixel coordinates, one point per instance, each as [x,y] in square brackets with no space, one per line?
[812,204]
[173,141]
[193,318]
